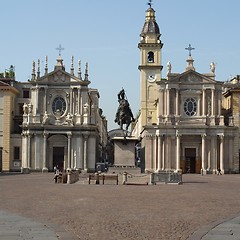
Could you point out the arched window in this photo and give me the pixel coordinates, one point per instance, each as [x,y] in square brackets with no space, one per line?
[150,57]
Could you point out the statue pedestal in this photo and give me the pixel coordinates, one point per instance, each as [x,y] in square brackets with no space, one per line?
[124,151]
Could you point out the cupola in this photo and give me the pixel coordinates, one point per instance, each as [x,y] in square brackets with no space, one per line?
[150,25]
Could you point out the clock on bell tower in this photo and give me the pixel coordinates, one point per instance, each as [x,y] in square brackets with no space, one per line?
[150,67]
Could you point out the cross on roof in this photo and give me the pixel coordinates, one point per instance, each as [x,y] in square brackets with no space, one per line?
[150,3]
[190,48]
[60,48]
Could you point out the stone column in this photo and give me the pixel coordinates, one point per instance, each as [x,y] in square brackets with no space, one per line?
[178,151]
[29,151]
[81,153]
[85,150]
[169,152]
[69,152]
[213,102]
[203,152]
[221,152]
[203,102]
[79,100]
[37,144]
[24,152]
[155,154]
[45,99]
[230,152]
[213,154]
[164,152]
[45,169]
[159,157]
[177,102]
[37,98]
[70,100]
[219,102]
[167,103]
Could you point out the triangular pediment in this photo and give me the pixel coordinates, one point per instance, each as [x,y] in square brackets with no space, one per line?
[192,77]
[60,77]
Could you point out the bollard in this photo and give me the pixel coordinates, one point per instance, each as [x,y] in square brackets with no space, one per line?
[124,178]
[97,178]
[69,176]
[152,179]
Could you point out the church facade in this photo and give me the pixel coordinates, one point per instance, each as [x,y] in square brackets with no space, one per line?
[51,120]
[183,125]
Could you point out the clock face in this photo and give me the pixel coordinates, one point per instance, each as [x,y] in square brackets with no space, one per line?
[151,76]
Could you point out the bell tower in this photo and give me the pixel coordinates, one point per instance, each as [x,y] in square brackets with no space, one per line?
[150,67]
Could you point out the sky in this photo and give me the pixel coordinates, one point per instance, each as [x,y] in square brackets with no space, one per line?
[106,35]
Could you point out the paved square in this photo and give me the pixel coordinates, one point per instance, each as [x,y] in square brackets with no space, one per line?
[120,211]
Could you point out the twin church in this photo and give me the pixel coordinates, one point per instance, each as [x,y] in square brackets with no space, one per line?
[188,121]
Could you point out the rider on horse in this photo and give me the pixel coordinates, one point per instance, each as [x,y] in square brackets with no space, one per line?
[124,114]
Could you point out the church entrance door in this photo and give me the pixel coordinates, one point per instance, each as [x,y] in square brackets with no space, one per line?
[58,157]
[190,158]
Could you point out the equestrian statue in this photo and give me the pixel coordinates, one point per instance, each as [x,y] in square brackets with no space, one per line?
[124,113]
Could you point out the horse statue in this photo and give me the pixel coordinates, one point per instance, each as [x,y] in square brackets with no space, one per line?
[124,113]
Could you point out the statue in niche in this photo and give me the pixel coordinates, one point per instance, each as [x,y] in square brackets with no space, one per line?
[29,108]
[69,119]
[85,108]
[124,113]
[25,108]
[45,118]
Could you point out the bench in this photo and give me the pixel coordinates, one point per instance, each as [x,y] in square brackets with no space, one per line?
[166,177]
[103,177]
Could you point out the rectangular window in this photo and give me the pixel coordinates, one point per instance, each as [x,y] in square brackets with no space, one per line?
[16,153]
[20,109]
[26,93]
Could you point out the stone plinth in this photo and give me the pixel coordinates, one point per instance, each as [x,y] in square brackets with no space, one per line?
[124,151]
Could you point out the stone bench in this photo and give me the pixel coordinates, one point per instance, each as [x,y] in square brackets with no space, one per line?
[166,177]
[102,177]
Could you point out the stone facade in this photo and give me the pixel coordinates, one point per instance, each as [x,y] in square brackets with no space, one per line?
[53,119]
[182,123]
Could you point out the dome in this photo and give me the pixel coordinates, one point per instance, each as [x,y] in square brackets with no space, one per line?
[150,25]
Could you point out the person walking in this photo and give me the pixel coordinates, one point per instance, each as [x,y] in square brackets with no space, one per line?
[219,172]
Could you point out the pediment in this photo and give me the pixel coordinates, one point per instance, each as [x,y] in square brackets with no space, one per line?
[60,77]
[192,77]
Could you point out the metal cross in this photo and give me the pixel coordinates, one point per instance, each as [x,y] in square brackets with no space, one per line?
[190,48]
[60,48]
[150,3]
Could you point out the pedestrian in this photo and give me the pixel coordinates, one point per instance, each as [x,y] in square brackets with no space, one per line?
[219,172]
[201,171]
[54,169]
[56,176]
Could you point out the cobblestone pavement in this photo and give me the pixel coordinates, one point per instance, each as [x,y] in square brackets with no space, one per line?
[123,211]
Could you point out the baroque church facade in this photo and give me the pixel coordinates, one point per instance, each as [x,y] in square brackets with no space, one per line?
[188,122]
[51,120]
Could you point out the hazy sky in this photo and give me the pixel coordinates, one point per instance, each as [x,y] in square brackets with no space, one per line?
[105,34]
